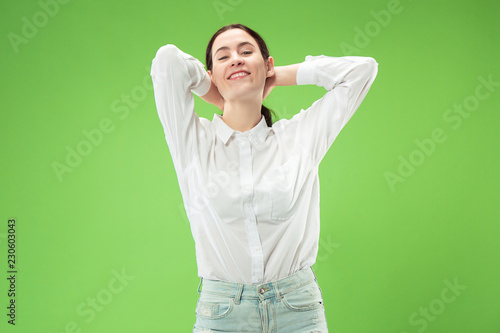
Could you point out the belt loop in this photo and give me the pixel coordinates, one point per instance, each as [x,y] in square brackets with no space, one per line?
[199,291]
[239,291]
[276,292]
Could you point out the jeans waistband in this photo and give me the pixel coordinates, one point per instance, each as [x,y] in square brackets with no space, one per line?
[259,291]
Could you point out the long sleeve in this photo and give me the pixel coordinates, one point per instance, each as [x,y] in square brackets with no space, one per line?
[347,81]
[175,75]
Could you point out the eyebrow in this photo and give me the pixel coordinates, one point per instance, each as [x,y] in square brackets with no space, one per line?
[239,45]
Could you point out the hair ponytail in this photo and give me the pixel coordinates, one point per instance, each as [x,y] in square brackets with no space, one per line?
[267,113]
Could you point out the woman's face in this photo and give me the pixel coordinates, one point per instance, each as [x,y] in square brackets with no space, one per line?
[236,52]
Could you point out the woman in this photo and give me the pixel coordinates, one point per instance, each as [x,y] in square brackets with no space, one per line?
[251,187]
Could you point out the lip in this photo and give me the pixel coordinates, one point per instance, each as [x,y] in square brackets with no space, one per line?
[238,77]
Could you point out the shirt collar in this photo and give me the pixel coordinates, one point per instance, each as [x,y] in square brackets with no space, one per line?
[257,134]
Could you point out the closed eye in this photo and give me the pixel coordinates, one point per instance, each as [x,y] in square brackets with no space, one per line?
[244,52]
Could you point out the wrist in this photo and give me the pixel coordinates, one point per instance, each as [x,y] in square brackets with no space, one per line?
[285,75]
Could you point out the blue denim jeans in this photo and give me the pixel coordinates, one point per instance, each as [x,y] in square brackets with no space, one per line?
[290,305]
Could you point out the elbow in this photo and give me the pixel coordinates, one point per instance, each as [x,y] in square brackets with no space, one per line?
[371,67]
[167,53]
[168,61]
[367,68]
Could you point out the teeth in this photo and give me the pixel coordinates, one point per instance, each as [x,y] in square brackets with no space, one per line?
[238,75]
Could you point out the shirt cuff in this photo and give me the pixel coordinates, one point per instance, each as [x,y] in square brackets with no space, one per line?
[306,72]
[204,86]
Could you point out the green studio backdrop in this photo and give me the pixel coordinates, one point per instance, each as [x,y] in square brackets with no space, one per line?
[409,189]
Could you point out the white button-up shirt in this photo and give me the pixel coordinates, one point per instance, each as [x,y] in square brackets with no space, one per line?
[252,198]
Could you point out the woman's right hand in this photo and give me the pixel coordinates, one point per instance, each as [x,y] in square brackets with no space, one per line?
[214,97]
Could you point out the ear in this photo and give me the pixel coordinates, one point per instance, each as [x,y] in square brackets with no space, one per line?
[270,67]
[211,76]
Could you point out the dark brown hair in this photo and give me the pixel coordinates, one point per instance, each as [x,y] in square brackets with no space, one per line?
[263,50]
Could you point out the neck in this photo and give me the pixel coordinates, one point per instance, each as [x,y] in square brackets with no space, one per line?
[242,115]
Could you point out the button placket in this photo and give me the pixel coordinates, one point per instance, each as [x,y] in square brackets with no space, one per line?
[246,183]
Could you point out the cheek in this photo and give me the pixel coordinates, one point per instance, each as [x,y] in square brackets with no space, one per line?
[218,75]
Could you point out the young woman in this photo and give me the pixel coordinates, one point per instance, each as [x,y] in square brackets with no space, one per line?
[251,187]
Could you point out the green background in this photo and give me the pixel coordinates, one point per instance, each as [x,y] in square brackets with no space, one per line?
[386,251]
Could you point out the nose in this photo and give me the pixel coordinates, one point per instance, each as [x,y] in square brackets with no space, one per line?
[236,60]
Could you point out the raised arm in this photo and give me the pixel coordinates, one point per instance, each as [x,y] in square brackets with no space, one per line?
[347,81]
[354,74]
[175,75]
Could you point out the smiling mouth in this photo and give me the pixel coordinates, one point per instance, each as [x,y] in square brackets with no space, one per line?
[238,75]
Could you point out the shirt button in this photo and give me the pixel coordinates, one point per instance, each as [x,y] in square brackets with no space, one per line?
[262,291]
